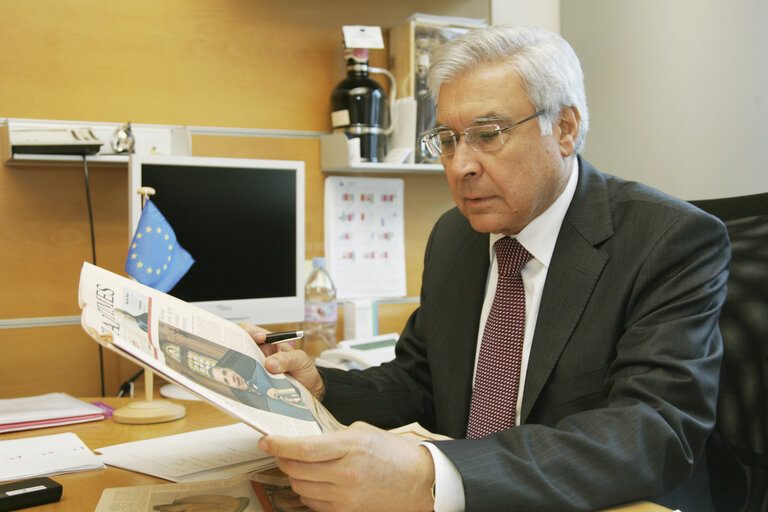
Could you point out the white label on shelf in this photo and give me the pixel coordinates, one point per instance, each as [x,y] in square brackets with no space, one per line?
[340,118]
[360,36]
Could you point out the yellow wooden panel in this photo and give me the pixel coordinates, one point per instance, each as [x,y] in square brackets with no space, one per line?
[392,317]
[45,234]
[47,359]
[234,63]
[239,63]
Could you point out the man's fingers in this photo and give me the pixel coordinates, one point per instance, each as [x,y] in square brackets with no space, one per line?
[316,495]
[258,334]
[298,365]
[287,361]
[360,468]
[318,448]
[303,449]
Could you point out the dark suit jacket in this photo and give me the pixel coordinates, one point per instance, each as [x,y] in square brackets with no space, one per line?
[622,380]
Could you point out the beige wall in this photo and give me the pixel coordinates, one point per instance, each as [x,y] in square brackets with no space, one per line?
[540,13]
[676,90]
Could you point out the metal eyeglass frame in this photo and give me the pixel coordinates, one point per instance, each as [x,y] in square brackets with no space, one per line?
[431,141]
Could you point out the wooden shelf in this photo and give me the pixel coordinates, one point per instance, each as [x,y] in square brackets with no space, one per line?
[161,139]
[31,159]
[335,158]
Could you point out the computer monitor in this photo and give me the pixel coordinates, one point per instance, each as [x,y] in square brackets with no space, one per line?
[242,220]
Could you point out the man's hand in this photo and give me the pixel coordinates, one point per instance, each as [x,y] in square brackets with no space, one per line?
[282,358]
[259,335]
[361,468]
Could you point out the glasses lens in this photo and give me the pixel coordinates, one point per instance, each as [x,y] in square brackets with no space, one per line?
[446,141]
[431,143]
[441,143]
[485,137]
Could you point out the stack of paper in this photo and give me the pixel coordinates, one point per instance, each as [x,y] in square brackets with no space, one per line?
[208,454]
[45,456]
[45,411]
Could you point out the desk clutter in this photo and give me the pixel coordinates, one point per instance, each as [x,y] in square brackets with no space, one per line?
[222,464]
[135,485]
[47,454]
[219,453]
[47,410]
[44,456]
[28,493]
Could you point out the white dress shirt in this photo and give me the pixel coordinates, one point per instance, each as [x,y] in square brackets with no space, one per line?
[538,238]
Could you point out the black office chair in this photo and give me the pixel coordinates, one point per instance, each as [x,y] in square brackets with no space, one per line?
[737,452]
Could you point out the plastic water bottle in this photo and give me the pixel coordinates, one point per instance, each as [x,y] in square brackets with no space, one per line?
[320,310]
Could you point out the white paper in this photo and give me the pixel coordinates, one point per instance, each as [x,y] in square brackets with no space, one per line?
[404,136]
[364,236]
[44,456]
[199,455]
[44,407]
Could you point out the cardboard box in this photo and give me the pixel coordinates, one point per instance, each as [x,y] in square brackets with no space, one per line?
[411,46]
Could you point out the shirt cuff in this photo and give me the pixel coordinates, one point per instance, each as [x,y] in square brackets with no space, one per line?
[449,489]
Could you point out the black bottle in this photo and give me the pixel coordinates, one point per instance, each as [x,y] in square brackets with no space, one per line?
[359,107]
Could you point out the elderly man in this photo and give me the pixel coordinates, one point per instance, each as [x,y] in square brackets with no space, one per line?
[567,337]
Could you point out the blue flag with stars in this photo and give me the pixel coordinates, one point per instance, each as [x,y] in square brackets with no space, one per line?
[155,258]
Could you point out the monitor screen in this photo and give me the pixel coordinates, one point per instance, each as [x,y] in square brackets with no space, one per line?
[242,220]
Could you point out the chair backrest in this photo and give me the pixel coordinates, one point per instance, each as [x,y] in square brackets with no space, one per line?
[741,484]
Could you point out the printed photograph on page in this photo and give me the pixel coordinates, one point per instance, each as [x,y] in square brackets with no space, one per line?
[167,335]
[234,495]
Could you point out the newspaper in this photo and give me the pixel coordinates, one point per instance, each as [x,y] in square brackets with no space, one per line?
[220,453]
[201,352]
[247,493]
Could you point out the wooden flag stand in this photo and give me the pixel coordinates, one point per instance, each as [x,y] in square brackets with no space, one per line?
[148,410]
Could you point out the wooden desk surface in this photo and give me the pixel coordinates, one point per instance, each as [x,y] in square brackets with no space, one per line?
[81,491]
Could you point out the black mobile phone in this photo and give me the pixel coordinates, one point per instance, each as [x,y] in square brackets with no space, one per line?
[29,493]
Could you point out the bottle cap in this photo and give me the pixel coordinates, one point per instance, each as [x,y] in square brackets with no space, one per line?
[318,262]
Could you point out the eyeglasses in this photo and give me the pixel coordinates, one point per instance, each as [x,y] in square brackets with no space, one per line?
[485,137]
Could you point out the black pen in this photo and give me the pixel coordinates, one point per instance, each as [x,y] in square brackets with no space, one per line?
[279,337]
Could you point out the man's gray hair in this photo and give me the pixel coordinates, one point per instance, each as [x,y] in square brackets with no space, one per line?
[546,63]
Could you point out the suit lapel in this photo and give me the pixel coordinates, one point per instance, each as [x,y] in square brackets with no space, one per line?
[574,270]
[462,323]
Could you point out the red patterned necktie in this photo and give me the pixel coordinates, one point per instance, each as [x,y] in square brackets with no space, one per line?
[497,378]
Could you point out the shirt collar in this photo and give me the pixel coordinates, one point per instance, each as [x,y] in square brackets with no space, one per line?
[540,235]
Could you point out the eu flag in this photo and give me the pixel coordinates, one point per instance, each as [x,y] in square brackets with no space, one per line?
[155,258]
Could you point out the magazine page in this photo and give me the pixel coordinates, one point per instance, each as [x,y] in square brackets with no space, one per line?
[236,495]
[204,353]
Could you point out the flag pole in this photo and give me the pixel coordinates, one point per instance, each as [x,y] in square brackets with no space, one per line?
[145,192]
[148,410]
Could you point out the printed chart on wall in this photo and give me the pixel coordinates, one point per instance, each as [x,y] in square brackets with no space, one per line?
[364,246]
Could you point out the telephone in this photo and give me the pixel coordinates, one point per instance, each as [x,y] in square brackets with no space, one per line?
[359,354]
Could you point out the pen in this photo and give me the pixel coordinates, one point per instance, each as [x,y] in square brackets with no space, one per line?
[279,337]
